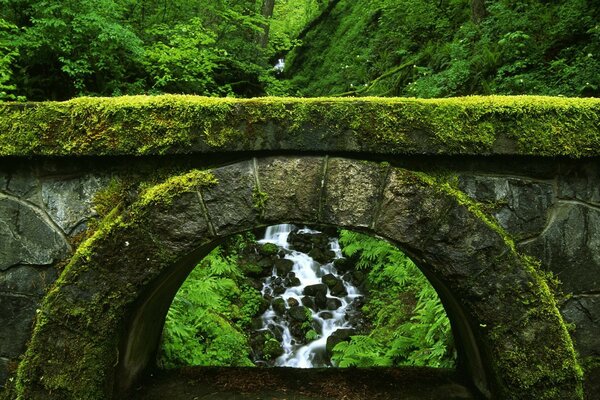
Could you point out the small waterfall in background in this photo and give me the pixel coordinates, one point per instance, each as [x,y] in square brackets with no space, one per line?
[309,299]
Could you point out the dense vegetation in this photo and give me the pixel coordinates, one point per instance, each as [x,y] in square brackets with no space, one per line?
[210,321]
[409,323]
[58,50]
[446,48]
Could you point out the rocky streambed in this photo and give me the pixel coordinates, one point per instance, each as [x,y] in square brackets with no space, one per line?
[312,298]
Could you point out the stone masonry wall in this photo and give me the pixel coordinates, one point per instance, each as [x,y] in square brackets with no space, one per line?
[41,213]
[553,214]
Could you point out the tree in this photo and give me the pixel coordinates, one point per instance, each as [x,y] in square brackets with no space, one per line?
[478,11]
[267,13]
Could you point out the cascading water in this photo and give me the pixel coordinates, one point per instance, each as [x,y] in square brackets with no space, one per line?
[310,297]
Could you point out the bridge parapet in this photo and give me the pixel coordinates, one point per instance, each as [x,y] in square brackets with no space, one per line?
[540,182]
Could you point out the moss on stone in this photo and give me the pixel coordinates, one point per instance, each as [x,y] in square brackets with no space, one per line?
[141,125]
[517,362]
[86,378]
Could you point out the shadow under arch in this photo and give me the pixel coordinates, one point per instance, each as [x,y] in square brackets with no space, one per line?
[98,328]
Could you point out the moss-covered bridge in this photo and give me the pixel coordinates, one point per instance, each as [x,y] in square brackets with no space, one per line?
[106,205]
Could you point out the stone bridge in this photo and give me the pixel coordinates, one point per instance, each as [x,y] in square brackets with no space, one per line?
[107,204]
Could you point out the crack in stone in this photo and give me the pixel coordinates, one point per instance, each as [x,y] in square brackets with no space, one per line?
[42,214]
[19,295]
[380,193]
[211,227]
[322,188]
[593,206]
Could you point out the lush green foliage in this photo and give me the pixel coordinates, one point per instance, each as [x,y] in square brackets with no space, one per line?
[57,50]
[409,324]
[436,48]
[205,324]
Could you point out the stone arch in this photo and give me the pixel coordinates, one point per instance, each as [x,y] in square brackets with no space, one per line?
[99,326]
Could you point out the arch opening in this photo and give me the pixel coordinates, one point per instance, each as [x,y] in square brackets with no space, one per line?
[510,337]
[390,285]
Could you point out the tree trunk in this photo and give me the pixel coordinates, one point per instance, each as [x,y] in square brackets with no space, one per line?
[478,10]
[267,13]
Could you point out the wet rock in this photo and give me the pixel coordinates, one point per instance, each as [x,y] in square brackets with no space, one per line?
[339,290]
[330,280]
[292,302]
[291,280]
[325,315]
[278,289]
[262,306]
[321,256]
[316,289]
[255,269]
[300,242]
[343,265]
[266,264]
[309,302]
[321,300]
[265,346]
[256,323]
[340,335]
[299,313]
[283,266]
[358,277]
[333,303]
[279,305]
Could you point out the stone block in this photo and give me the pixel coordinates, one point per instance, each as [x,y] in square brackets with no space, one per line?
[584,312]
[27,280]
[69,201]
[230,203]
[292,186]
[520,205]
[570,247]
[16,322]
[352,192]
[26,238]
[181,226]
[581,182]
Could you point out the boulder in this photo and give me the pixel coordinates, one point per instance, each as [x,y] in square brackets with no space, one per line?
[333,303]
[268,249]
[340,335]
[283,266]
[292,302]
[279,305]
[316,289]
[299,313]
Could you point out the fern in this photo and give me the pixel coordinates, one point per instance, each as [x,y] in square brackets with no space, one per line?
[408,319]
[204,325]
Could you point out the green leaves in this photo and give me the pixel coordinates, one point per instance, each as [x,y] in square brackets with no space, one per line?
[410,326]
[204,325]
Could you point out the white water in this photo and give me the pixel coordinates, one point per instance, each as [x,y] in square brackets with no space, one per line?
[309,272]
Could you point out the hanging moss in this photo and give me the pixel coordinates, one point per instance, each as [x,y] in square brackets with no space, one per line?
[142,125]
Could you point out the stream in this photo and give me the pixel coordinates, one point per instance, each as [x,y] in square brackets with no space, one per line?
[309,302]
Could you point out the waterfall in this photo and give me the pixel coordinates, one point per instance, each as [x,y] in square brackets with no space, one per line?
[327,309]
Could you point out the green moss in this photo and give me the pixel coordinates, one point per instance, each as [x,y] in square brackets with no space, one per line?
[93,345]
[163,193]
[522,368]
[140,125]
[259,199]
